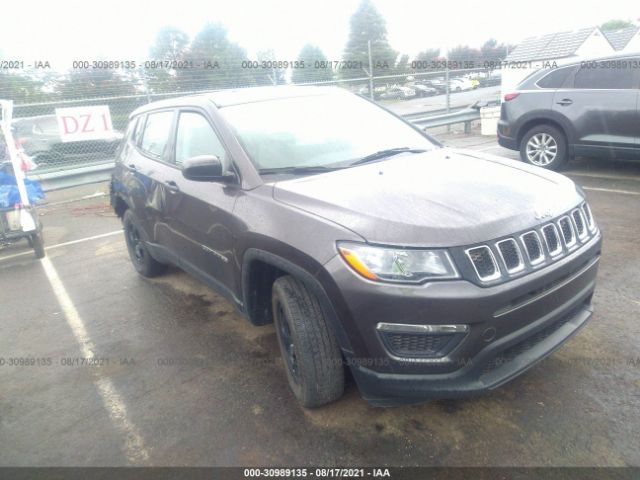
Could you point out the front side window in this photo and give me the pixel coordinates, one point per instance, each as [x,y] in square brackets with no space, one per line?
[196,137]
[156,133]
[317,130]
[613,74]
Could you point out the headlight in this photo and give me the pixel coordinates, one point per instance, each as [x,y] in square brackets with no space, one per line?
[397,265]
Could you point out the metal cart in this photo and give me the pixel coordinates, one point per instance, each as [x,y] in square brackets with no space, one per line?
[19,221]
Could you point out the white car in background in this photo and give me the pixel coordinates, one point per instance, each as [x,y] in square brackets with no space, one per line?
[397,92]
[460,84]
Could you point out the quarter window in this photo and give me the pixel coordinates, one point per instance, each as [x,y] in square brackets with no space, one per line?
[554,79]
[156,133]
[605,75]
[196,137]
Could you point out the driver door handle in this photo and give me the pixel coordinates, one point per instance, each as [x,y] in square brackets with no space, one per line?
[565,101]
[172,186]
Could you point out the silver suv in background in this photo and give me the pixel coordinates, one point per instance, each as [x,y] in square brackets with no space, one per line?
[587,108]
[40,139]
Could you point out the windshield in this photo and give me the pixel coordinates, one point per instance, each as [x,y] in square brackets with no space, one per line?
[322,130]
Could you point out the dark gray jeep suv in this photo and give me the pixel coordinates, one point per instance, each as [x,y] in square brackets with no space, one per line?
[428,272]
[588,108]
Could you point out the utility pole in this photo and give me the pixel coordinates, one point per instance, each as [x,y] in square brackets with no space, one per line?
[370,71]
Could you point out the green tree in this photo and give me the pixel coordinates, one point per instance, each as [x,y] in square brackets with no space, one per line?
[94,83]
[170,46]
[218,63]
[615,24]
[464,56]
[312,57]
[22,88]
[402,66]
[493,52]
[367,24]
[269,76]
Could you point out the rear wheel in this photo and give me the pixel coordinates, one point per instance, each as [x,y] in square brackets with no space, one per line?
[142,260]
[544,146]
[311,354]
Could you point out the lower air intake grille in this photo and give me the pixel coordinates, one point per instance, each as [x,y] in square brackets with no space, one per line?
[415,344]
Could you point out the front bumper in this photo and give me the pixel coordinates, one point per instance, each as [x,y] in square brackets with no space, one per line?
[544,309]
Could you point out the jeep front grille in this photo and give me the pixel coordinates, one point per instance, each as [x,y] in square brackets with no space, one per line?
[484,263]
[510,254]
[586,210]
[518,254]
[567,231]
[533,247]
[578,222]
[552,239]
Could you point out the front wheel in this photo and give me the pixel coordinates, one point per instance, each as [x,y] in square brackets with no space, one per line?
[312,357]
[544,146]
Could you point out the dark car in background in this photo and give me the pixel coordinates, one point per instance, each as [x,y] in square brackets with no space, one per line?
[428,272]
[587,108]
[39,137]
[439,85]
[423,90]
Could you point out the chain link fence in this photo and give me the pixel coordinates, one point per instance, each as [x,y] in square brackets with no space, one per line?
[36,127]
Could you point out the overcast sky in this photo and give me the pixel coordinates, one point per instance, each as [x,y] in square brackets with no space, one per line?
[65,30]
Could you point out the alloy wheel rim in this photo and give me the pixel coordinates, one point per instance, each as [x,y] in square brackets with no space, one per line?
[542,149]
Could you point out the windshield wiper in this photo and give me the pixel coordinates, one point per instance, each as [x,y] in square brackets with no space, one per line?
[386,153]
[294,170]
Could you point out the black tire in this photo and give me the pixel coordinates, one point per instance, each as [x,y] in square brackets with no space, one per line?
[310,351]
[37,243]
[143,262]
[557,139]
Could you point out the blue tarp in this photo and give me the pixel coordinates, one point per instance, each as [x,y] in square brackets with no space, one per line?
[9,194]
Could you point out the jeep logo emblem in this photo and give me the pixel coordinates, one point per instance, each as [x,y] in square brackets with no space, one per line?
[540,213]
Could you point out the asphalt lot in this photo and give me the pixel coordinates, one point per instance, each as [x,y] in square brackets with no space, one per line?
[180,379]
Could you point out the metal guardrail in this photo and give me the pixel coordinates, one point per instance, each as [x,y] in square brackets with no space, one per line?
[73,177]
[465,116]
[101,172]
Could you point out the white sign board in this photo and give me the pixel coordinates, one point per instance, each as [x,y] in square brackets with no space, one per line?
[84,123]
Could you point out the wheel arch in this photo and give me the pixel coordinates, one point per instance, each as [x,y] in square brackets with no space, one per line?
[260,268]
[536,121]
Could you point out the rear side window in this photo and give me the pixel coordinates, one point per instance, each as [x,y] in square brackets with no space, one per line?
[131,128]
[156,133]
[137,133]
[554,79]
[614,74]
[196,137]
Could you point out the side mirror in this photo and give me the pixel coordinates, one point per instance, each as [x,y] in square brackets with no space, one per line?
[204,168]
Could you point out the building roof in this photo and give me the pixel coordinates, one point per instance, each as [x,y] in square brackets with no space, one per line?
[550,46]
[620,38]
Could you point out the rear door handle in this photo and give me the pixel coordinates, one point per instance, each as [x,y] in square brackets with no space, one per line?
[131,166]
[172,186]
[565,101]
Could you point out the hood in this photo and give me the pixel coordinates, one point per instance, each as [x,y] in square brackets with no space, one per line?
[440,198]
